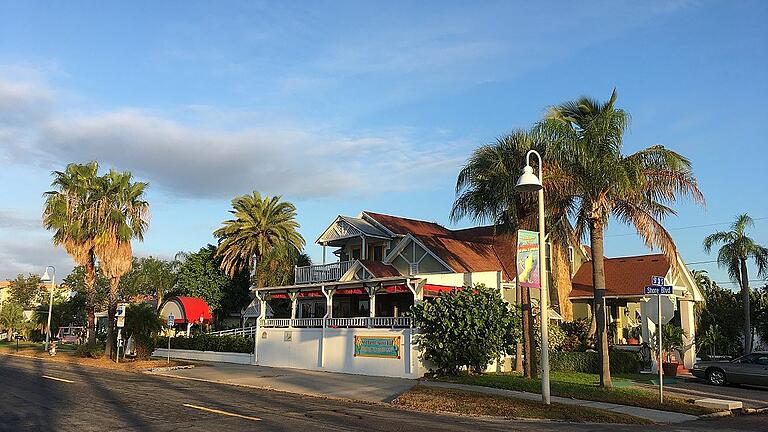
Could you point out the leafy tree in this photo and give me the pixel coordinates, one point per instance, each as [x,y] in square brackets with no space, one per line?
[276,268]
[27,291]
[143,324]
[738,248]
[466,328]
[149,276]
[718,318]
[76,282]
[69,213]
[11,317]
[64,312]
[602,182]
[200,275]
[259,225]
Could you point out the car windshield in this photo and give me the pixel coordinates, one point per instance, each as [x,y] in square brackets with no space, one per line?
[754,358]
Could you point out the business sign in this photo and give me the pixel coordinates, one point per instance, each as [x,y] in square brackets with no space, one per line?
[377,346]
[120,321]
[528,259]
[658,289]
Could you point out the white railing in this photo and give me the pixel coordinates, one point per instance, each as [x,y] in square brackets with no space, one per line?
[364,322]
[245,331]
[321,272]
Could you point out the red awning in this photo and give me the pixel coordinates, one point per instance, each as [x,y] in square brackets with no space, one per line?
[394,289]
[437,289]
[193,308]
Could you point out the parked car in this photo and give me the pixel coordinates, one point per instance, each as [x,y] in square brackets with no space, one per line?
[70,334]
[748,369]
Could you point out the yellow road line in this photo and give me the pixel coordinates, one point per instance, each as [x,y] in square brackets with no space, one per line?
[57,379]
[215,411]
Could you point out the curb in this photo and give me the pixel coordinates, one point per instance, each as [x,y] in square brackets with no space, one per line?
[168,368]
[716,415]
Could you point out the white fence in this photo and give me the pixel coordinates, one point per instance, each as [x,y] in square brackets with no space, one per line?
[321,272]
[245,331]
[359,322]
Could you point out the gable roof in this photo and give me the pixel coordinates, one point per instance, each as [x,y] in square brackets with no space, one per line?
[475,249]
[624,276]
[379,269]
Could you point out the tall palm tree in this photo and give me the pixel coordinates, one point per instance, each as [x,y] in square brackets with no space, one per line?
[636,189]
[485,192]
[259,225]
[738,248]
[124,215]
[69,213]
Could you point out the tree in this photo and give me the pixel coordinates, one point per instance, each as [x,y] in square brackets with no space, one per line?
[149,276]
[759,304]
[636,189]
[466,328]
[259,225]
[123,215]
[143,324]
[277,267]
[200,275]
[11,317]
[738,248]
[76,282]
[27,291]
[71,213]
[485,192]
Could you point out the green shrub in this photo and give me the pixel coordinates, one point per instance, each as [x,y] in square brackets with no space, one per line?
[142,322]
[206,342]
[466,328]
[589,362]
[93,352]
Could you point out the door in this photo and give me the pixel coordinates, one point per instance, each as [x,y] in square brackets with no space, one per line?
[750,369]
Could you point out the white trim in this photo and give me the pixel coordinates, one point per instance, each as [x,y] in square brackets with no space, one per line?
[364,215]
[338,218]
[404,242]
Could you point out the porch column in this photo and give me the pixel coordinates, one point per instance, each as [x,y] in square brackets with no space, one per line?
[689,332]
[363,252]
[257,325]
[323,253]
[294,296]
[328,293]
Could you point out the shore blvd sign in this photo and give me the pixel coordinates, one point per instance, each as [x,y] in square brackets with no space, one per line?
[658,289]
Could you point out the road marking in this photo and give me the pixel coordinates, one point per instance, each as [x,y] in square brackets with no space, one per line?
[57,379]
[215,411]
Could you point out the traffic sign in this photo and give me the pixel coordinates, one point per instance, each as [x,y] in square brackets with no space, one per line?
[170,320]
[668,307]
[121,307]
[658,289]
[657,280]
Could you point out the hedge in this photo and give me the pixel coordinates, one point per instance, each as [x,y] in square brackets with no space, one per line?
[589,362]
[205,342]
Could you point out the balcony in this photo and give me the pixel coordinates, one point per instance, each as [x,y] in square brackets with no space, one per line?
[321,272]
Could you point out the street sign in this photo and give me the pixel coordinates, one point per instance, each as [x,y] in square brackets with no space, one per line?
[658,289]
[668,307]
[121,307]
[657,280]
[120,321]
[170,320]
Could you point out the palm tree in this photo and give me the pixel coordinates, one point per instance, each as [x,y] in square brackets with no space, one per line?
[123,215]
[485,192]
[70,213]
[259,225]
[738,248]
[635,189]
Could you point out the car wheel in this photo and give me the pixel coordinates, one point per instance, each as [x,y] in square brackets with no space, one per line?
[716,377]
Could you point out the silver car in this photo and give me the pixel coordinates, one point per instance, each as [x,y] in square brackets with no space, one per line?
[749,369]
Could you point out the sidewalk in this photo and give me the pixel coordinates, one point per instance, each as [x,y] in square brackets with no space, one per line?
[646,413]
[313,383]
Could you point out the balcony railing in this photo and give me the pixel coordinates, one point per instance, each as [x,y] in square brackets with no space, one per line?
[321,272]
[357,322]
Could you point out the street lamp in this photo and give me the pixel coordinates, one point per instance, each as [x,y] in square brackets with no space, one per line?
[52,278]
[529,182]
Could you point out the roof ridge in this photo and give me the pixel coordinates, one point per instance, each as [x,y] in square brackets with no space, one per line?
[636,256]
[405,218]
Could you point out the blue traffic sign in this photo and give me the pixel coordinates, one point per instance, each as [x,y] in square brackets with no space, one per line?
[658,289]
[170,320]
[657,280]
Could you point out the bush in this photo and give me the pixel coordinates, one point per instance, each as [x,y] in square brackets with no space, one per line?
[589,362]
[206,342]
[142,322]
[93,352]
[576,335]
[468,327]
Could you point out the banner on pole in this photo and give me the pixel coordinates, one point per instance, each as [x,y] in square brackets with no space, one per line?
[528,259]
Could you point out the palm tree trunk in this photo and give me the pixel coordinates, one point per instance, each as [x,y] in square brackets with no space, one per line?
[598,283]
[90,297]
[519,345]
[745,299]
[112,310]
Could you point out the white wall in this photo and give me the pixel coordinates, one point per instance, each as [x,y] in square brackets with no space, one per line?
[489,278]
[212,356]
[304,351]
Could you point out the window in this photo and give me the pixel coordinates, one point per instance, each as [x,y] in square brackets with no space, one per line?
[414,268]
[378,253]
[356,253]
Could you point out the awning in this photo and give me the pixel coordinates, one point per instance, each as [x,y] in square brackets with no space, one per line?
[434,289]
[193,310]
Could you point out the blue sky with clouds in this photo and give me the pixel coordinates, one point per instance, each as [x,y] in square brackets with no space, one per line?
[346,106]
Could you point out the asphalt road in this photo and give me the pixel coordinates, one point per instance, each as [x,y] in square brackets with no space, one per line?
[39,395]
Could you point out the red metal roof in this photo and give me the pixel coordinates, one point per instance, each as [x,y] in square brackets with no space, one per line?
[193,308]
[624,276]
[380,269]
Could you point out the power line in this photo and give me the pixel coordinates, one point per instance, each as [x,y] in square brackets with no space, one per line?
[701,262]
[735,282]
[687,227]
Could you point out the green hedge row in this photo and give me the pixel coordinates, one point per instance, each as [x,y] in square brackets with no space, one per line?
[205,342]
[589,362]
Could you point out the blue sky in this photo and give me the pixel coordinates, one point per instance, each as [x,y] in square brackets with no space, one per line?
[348,106]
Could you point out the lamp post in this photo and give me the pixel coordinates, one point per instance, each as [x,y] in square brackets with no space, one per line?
[529,182]
[52,278]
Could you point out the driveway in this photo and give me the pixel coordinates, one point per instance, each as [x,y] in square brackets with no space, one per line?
[312,383]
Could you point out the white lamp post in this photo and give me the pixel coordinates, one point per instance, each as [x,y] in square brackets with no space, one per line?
[529,182]
[52,278]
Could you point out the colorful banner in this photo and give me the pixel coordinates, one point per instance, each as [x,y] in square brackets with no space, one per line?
[528,259]
[377,346]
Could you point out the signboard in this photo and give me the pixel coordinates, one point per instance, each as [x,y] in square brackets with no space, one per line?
[657,280]
[121,307]
[528,259]
[658,289]
[120,321]
[170,321]
[287,336]
[668,306]
[377,346]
